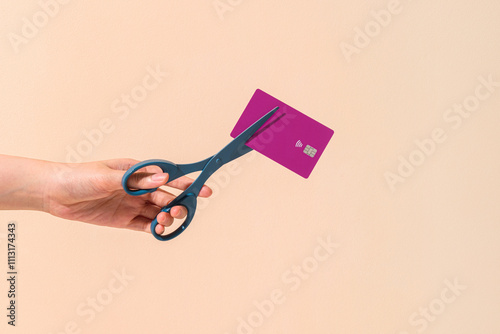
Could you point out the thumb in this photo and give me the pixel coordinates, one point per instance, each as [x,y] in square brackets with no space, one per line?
[146,180]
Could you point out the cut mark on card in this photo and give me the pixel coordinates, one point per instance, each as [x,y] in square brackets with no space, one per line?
[265,127]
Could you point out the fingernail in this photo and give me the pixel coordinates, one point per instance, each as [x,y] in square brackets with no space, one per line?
[159,177]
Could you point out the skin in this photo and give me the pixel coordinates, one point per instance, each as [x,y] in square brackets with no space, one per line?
[90,192]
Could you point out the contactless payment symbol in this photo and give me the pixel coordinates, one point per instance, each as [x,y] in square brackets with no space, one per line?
[299,143]
[310,151]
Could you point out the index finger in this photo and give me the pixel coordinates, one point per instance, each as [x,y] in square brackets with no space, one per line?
[183,182]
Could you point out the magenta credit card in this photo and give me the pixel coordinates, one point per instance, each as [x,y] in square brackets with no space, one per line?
[289,137]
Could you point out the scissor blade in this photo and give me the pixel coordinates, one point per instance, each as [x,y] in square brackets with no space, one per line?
[237,147]
[264,128]
[252,129]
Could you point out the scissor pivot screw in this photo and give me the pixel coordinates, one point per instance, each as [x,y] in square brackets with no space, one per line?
[218,161]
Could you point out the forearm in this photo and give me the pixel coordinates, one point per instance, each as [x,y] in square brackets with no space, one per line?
[23,183]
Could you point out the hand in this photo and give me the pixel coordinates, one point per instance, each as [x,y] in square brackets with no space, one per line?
[92,193]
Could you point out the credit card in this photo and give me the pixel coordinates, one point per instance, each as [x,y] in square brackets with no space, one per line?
[292,139]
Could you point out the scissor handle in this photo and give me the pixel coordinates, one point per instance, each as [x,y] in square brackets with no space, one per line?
[187,200]
[166,166]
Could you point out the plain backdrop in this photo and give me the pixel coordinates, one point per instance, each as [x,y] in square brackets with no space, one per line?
[385,75]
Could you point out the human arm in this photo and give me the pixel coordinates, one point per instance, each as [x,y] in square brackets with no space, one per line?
[89,192]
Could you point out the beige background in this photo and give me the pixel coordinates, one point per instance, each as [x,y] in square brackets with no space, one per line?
[397,249]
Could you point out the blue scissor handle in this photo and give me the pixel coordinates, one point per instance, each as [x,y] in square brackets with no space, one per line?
[166,166]
[186,200]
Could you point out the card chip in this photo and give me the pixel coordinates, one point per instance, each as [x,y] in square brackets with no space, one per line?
[310,151]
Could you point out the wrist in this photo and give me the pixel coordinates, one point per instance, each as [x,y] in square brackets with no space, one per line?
[55,176]
[33,195]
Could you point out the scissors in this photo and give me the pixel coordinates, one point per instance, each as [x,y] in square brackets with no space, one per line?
[188,198]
